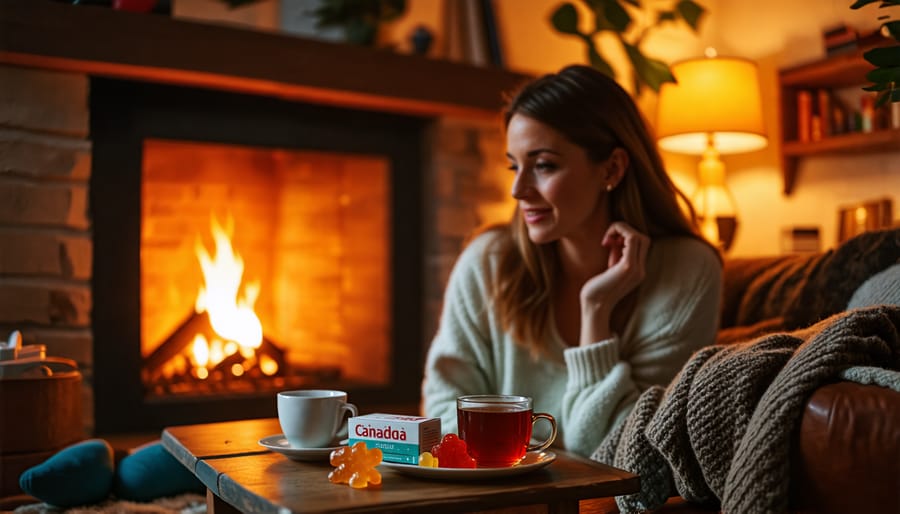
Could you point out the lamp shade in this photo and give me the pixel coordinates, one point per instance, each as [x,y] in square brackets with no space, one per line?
[716,96]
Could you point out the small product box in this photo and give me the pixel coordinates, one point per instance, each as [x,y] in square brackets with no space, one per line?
[400,438]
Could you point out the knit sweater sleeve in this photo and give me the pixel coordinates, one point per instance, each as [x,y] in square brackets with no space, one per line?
[460,357]
[677,313]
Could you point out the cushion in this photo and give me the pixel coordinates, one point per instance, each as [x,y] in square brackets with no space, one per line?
[152,472]
[79,474]
[882,288]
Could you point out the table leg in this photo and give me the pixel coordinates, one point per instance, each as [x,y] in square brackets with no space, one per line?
[216,505]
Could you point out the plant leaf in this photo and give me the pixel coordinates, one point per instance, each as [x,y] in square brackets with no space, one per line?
[888,95]
[565,19]
[598,62]
[884,75]
[894,29]
[666,16]
[884,56]
[651,71]
[691,12]
[616,14]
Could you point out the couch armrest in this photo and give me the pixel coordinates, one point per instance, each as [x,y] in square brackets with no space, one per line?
[848,456]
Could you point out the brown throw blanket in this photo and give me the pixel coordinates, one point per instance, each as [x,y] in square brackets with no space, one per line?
[720,433]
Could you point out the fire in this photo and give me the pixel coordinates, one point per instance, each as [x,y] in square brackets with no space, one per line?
[230,312]
[229,307]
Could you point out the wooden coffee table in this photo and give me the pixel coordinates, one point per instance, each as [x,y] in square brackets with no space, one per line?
[242,476]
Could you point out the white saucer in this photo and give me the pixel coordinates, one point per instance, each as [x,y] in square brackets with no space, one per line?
[278,443]
[532,461]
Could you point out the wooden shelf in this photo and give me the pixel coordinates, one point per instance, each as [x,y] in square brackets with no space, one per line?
[837,72]
[834,72]
[855,143]
[156,48]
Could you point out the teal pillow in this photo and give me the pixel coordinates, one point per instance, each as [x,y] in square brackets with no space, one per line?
[80,474]
[152,472]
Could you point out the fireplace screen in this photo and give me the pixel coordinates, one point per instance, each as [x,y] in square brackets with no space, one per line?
[262,269]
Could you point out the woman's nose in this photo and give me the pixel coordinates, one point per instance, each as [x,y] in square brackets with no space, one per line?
[521,185]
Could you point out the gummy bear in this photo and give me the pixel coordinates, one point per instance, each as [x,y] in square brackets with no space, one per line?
[355,466]
[452,453]
[427,460]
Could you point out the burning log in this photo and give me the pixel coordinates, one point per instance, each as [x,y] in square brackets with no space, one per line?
[183,337]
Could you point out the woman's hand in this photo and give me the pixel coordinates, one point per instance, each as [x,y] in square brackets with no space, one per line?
[625,270]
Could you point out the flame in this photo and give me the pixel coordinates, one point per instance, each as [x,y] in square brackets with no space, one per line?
[237,328]
[230,312]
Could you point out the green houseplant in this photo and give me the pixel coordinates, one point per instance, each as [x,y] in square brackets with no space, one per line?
[619,18]
[360,19]
[885,77]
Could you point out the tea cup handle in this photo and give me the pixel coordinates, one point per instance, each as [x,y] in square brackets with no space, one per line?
[549,441]
[341,431]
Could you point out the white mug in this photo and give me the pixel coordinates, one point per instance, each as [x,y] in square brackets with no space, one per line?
[311,418]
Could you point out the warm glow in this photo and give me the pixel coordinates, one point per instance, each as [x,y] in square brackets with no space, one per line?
[268,365]
[715,108]
[230,312]
[200,351]
[716,97]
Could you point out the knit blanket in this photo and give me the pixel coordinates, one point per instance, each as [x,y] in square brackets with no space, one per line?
[720,433]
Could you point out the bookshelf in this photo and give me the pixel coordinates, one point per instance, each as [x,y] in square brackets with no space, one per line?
[829,74]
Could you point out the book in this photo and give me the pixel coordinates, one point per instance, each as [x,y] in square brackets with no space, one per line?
[823,98]
[804,116]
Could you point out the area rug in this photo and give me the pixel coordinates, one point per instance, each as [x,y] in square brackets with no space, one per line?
[182,504]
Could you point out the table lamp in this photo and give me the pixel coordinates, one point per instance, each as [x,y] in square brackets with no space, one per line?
[715,108]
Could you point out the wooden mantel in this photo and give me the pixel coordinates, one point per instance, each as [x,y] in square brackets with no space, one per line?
[153,48]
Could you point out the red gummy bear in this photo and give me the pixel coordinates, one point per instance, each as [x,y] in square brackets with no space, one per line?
[452,452]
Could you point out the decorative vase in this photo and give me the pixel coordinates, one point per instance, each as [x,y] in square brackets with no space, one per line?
[421,39]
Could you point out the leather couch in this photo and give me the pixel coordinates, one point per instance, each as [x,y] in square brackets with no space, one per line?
[846,456]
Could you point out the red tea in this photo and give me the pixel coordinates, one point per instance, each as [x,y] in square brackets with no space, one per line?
[496,435]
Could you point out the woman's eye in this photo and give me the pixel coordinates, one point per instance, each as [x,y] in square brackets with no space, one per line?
[513,167]
[545,166]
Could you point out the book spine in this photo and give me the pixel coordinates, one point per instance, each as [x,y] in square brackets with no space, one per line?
[804,115]
[823,97]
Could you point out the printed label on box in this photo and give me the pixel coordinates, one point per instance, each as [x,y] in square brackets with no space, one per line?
[400,438]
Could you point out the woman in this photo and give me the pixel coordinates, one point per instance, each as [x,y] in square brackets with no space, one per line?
[599,287]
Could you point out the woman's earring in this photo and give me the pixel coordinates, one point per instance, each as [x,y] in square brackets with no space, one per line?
[609,187]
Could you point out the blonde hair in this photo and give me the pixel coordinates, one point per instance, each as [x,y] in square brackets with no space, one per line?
[595,113]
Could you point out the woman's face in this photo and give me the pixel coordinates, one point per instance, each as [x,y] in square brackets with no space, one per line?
[560,192]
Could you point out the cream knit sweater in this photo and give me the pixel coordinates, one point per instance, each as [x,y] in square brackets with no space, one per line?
[586,389]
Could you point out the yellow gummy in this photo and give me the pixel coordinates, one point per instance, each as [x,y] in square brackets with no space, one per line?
[426,459]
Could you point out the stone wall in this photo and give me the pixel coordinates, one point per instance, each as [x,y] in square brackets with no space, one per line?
[45,239]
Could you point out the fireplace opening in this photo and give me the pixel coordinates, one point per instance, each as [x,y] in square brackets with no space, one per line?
[248,245]
[265,280]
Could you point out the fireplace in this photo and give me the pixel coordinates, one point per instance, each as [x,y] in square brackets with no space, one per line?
[75,216]
[245,245]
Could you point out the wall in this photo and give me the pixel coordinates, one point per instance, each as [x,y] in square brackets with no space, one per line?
[774,33]
[785,34]
[45,239]
[46,253]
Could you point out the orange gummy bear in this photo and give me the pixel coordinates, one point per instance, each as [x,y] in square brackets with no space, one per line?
[355,466]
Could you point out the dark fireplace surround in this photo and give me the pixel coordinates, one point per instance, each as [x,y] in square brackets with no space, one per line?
[123,115]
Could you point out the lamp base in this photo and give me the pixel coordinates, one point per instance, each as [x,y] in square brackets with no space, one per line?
[724,232]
